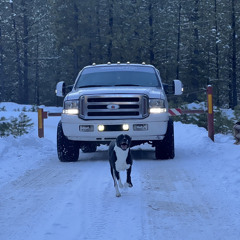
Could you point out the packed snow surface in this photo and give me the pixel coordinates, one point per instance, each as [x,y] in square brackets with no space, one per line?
[194,196]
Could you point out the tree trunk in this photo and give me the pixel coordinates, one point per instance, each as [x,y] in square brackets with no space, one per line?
[196,57]
[98,37]
[151,37]
[2,76]
[18,63]
[216,54]
[25,54]
[76,51]
[110,32]
[178,38]
[234,57]
[37,102]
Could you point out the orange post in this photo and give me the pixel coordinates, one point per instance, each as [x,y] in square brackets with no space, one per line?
[210,112]
[40,123]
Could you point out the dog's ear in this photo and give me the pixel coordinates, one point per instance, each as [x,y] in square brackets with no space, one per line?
[129,139]
[118,140]
[119,137]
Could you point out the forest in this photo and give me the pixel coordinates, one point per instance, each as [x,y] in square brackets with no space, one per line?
[43,42]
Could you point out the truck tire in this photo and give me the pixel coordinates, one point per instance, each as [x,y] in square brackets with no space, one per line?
[68,151]
[165,149]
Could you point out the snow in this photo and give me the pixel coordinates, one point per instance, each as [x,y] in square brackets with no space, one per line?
[194,196]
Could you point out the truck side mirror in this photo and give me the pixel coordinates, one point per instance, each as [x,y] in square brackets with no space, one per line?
[60,89]
[178,87]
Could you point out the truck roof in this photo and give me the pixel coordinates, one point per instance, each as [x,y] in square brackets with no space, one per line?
[119,64]
[129,67]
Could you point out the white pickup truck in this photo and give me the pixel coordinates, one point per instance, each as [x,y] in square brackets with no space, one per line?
[111,99]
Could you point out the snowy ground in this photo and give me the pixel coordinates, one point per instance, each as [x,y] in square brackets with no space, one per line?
[195,196]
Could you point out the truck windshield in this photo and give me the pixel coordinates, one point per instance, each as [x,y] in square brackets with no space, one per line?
[118,76]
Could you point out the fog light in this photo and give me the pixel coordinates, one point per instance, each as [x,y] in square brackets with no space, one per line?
[101,128]
[140,127]
[125,127]
[86,128]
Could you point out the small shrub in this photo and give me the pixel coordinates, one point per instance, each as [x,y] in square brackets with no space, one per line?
[3,109]
[24,109]
[16,126]
[4,127]
[34,108]
[237,112]
[222,124]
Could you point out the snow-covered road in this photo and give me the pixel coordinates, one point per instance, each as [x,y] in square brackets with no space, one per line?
[195,196]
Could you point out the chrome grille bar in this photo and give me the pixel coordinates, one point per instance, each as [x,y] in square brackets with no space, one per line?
[111,106]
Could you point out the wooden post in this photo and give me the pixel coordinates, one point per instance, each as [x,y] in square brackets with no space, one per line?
[40,123]
[210,112]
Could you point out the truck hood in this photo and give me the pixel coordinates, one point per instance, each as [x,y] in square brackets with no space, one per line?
[151,92]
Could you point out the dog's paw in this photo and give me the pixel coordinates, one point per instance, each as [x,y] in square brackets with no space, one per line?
[126,185]
[118,194]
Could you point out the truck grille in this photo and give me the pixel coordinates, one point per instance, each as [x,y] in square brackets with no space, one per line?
[121,106]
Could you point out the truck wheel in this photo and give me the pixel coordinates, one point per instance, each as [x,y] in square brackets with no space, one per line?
[68,151]
[165,149]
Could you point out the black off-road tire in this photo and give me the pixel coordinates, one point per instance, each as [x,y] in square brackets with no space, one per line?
[68,151]
[165,149]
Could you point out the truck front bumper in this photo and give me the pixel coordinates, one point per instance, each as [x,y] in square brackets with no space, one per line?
[148,129]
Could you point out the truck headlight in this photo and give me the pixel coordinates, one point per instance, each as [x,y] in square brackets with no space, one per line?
[71,107]
[157,105]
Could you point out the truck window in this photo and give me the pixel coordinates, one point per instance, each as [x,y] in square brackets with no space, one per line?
[118,76]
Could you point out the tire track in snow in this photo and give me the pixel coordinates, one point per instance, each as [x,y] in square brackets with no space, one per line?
[181,205]
[76,201]
[34,198]
[71,201]
[111,217]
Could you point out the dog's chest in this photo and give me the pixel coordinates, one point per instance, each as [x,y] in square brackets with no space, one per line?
[121,163]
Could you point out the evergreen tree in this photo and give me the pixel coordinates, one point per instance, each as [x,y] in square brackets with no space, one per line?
[43,42]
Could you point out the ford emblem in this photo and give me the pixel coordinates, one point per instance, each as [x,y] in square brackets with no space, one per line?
[113,106]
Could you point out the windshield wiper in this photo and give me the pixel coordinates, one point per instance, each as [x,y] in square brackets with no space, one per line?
[117,85]
[134,85]
[89,86]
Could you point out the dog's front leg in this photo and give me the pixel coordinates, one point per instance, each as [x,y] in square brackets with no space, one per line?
[116,177]
[119,181]
[129,180]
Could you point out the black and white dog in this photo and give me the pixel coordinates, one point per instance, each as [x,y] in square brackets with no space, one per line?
[120,159]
